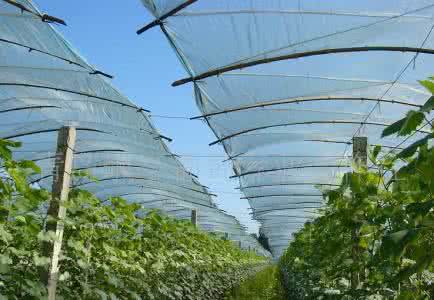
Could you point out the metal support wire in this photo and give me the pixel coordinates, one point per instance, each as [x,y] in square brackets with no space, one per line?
[258,212]
[286,184]
[29,108]
[303,99]
[153,188]
[141,179]
[282,195]
[80,152]
[31,49]
[171,197]
[142,186]
[111,165]
[97,167]
[72,92]
[297,12]
[293,124]
[288,168]
[50,130]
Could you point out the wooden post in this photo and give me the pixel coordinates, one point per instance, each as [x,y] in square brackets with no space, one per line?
[360,159]
[360,151]
[239,244]
[57,210]
[194,217]
[226,236]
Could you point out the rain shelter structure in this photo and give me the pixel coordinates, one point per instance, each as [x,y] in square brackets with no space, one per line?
[46,85]
[286,85]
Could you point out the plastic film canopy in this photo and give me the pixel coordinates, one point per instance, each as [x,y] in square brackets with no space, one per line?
[45,85]
[286,85]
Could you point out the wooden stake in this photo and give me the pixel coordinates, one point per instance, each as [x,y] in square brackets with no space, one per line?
[57,210]
[360,151]
[360,159]
[194,217]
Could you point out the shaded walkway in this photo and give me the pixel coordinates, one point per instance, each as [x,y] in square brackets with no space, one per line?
[265,284]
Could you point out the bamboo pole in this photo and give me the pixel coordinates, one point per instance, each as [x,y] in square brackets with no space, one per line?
[290,56]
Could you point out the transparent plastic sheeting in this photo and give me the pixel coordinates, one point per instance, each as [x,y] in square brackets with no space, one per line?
[45,84]
[286,85]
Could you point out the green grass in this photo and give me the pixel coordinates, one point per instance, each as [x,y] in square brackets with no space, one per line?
[265,285]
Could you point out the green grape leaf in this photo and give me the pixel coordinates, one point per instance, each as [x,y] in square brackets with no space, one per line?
[27,164]
[21,219]
[411,150]
[412,121]
[394,244]
[420,208]
[428,84]
[421,264]
[393,128]
[5,236]
[428,106]
[376,151]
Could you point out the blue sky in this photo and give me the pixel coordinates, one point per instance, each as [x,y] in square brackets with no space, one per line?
[144,67]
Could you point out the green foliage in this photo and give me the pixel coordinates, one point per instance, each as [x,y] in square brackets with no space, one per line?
[375,236]
[20,219]
[265,284]
[111,250]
